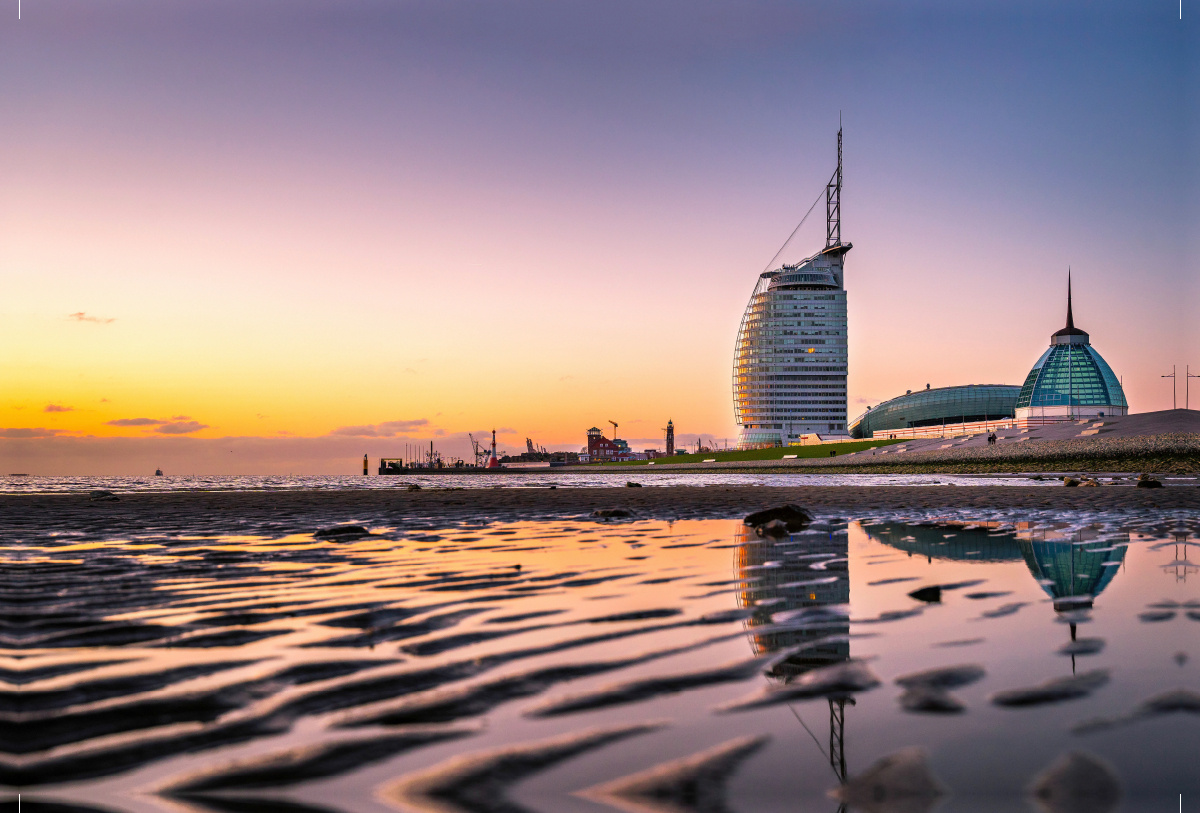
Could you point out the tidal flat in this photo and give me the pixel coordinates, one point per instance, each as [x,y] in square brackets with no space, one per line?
[957,649]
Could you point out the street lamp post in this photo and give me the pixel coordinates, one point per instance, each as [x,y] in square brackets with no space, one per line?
[1174,402]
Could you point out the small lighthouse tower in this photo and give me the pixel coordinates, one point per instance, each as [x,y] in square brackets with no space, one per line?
[670,438]
[493,461]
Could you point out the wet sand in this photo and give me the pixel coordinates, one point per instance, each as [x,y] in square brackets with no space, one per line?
[279,513]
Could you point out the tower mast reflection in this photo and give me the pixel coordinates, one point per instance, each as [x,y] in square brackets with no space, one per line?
[805,570]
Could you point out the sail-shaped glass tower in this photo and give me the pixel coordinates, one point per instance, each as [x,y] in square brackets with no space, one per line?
[789,363]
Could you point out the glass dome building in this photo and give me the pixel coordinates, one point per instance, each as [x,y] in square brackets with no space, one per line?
[944,406]
[1070,382]
[789,362]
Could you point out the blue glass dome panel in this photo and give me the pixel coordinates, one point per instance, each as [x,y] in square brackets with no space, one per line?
[1071,374]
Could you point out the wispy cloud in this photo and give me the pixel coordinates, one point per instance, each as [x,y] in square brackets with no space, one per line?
[29,433]
[181,427]
[387,429]
[58,408]
[136,422]
[83,317]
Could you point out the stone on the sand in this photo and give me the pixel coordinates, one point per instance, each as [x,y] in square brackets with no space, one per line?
[612,513]
[927,699]
[341,532]
[931,594]
[1053,691]
[795,517]
[1077,783]
[943,677]
[776,528]
[898,783]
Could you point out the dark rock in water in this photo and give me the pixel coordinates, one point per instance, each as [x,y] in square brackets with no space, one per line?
[413,487]
[1151,616]
[1003,610]
[795,517]
[1169,702]
[1077,783]
[1149,482]
[341,532]
[931,594]
[612,513]
[944,677]
[926,699]
[775,528]
[632,484]
[1084,646]
[1070,482]
[1053,691]
[898,783]
[103,496]
[1172,701]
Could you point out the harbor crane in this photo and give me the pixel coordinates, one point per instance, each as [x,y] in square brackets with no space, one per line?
[614,423]
[481,452]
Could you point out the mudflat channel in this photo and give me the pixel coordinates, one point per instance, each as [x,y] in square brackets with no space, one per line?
[487,650]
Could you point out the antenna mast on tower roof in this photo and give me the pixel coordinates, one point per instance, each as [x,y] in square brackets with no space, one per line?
[833,200]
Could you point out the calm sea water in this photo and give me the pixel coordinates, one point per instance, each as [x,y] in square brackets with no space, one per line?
[580,666]
[9,484]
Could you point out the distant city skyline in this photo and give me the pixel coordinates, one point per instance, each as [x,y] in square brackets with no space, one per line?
[246,242]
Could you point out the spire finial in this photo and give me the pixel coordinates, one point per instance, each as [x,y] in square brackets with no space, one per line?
[1070,319]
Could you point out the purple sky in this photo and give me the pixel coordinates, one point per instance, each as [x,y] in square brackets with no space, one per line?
[307,217]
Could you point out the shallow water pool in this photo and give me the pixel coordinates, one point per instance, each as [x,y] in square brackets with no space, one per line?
[600,666]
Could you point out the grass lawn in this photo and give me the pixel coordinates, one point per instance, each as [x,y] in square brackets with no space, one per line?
[777,453]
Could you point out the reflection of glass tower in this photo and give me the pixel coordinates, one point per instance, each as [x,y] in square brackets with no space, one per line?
[778,588]
[789,363]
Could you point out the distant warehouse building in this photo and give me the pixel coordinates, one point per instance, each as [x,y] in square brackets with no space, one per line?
[946,410]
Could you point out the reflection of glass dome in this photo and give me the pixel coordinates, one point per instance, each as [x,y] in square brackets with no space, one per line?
[976,545]
[1069,570]
[1071,379]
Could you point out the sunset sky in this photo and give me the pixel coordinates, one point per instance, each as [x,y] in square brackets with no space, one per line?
[263,237]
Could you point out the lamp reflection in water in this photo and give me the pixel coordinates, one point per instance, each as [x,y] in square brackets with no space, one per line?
[778,575]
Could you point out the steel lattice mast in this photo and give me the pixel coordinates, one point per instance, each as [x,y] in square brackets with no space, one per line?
[833,202]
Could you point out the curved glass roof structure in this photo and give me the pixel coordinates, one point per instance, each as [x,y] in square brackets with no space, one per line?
[1071,373]
[944,405]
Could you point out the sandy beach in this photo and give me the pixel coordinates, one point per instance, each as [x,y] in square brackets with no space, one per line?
[278,513]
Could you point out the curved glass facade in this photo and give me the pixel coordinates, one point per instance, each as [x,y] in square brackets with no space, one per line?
[1071,375]
[944,405]
[789,363]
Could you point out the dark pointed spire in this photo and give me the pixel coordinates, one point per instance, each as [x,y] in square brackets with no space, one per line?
[1070,320]
[1069,334]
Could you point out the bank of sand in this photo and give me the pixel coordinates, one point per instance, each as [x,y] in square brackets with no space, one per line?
[278,513]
